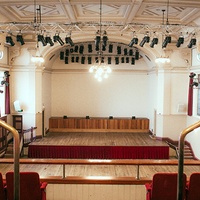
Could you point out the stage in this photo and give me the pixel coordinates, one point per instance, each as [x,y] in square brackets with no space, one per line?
[98,146]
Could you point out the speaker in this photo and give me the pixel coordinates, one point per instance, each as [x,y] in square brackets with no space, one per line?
[61,55]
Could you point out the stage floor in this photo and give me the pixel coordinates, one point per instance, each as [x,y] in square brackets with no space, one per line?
[99,146]
[99,139]
[97,170]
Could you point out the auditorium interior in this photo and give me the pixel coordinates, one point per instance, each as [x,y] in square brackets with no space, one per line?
[98,97]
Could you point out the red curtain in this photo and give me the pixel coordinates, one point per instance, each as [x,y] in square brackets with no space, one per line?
[190,94]
[98,152]
[7,95]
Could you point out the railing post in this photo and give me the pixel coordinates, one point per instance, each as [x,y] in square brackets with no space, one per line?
[63,171]
[181,159]
[16,158]
[138,172]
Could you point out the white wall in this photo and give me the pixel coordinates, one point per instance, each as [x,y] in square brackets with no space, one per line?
[46,98]
[79,94]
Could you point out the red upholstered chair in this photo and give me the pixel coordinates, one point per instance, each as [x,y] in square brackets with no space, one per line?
[2,188]
[164,187]
[193,187]
[30,186]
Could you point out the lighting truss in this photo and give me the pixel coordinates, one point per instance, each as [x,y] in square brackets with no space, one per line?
[14,28]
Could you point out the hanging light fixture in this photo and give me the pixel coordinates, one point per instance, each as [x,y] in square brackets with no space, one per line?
[100,69]
[164,60]
[38,59]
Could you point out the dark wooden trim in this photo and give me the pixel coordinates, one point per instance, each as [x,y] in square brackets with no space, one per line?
[61,124]
[91,180]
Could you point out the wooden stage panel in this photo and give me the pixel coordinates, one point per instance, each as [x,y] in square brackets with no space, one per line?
[60,124]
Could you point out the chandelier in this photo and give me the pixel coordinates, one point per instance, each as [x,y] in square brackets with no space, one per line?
[100,69]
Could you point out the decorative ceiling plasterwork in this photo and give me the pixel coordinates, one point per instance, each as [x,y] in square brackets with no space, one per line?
[121,13]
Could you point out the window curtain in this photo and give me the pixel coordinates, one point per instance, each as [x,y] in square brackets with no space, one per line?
[7,96]
[190,94]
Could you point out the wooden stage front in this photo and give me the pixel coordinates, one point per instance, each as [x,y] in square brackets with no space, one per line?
[98,145]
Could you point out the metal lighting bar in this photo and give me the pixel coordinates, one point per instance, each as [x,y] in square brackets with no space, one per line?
[16,158]
[181,158]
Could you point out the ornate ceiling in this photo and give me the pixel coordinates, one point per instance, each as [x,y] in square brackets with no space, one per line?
[83,15]
[120,19]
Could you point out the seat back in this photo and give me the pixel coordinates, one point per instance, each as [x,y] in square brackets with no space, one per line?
[29,186]
[193,190]
[164,186]
[2,190]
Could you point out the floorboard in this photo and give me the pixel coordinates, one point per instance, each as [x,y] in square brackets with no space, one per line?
[98,139]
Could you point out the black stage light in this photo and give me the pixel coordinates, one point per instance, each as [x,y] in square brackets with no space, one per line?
[82,60]
[89,60]
[69,41]
[61,55]
[103,48]
[116,60]
[71,50]
[137,55]
[49,40]
[153,42]
[66,60]
[192,42]
[57,38]
[77,59]
[105,39]
[67,52]
[180,41]
[118,50]
[166,41]
[89,48]
[127,59]
[81,49]
[110,48]
[122,59]
[9,40]
[72,59]
[125,51]
[76,48]
[109,60]
[42,39]
[20,39]
[132,61]
[97,42]
[145,39]
[131,52]
[133,41]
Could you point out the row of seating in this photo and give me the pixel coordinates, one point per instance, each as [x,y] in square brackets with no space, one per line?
[164,187]
[31,188]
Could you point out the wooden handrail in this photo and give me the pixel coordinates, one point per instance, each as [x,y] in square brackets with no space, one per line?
[181,144]
[16,157]
[99,161]
[136,162]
